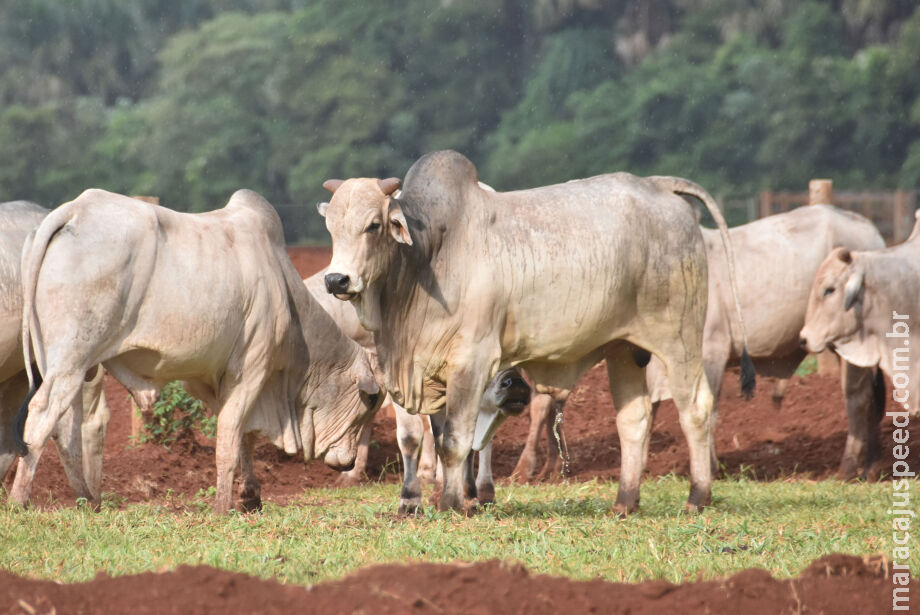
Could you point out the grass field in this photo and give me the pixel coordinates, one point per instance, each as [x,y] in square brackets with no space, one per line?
[558,529]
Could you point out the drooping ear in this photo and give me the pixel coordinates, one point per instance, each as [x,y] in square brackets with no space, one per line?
[390,185]
[396,222]
[333,184]
[321,208]
[852,290]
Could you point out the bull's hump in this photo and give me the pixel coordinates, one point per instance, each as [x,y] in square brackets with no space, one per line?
[251,201]
[444,167]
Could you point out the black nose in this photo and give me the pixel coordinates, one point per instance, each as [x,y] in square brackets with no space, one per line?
[803,343]
[336,283]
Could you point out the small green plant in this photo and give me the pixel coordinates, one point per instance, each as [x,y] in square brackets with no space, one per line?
[177,414]
[808,366]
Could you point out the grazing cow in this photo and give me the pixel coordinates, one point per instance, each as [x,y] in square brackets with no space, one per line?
[457,282]
[212,299]
[862,304]
[777,258]
[507,393]
[80,450]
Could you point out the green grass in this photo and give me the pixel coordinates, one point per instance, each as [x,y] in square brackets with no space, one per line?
[560,529]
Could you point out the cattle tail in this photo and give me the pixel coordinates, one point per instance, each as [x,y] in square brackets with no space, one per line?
[681,186]
[33,253]
[19,425]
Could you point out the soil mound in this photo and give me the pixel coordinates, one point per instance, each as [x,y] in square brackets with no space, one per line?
[833,584]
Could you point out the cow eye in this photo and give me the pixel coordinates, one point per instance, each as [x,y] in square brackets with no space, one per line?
[372,228]
[828,291]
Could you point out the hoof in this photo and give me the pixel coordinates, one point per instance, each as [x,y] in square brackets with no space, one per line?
[471,507]
[251,505]
[347,479]
[693,509]
[409,508]
[486,493]
[621,511]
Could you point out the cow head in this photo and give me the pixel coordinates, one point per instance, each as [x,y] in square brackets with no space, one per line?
[366,223]
[835,304]
[506,395]
[338,408]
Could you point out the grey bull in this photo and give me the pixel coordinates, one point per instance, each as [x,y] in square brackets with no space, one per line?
[211,299]
[507,392]
[80,449]
[863,303]
[777,258]
[457,283]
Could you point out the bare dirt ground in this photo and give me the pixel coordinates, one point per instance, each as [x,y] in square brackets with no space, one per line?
[803,439]
[833,584]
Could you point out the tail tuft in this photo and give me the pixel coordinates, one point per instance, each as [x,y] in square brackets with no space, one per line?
[19,426]
[748,375]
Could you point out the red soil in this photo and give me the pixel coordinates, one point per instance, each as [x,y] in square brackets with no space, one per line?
[803,439]
[833,584]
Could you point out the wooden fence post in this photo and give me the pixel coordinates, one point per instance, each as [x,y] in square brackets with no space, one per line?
[766,203]
[821,192]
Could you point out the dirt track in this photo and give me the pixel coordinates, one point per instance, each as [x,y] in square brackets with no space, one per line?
[833,584]
[804,438]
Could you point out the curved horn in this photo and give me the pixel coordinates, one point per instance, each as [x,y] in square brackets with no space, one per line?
[333,184]
[390,185]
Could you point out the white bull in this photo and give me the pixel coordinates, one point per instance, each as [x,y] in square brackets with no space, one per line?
[457,282]
[211,299]
[506,393]
[777,258]
[80,448]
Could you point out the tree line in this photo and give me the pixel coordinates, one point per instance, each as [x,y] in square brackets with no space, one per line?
[189,100]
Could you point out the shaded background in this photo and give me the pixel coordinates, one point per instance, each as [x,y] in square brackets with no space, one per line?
[189,100]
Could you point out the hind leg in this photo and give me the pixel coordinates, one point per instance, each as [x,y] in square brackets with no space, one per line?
[355,475]
[634,409]
[12,392]
[862,445]
[554,424]
[250,489]
[540,409]
[428,463]
[485,485]
[58,394]
[694,401]
[81,452]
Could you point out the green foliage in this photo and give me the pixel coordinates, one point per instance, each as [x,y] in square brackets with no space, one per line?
[192,100]
[176,414]
[808,366]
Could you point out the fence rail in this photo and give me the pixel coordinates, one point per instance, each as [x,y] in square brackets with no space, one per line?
[891,212]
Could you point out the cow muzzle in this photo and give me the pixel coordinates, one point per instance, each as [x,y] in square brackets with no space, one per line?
[513,393]
[340,459]
[338,285]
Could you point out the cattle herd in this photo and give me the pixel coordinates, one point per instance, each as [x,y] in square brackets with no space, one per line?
[457,304]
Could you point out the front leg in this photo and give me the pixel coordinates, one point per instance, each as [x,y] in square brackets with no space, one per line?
[453,432]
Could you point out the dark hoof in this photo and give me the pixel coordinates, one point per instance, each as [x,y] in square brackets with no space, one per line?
[698,500]
[621,511]
[486,494]
[409,508]
[251,505]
